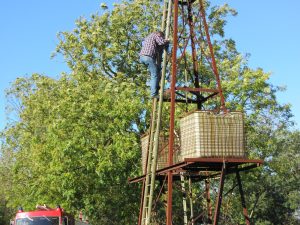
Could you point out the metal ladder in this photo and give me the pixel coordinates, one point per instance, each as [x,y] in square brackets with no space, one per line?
[153,141]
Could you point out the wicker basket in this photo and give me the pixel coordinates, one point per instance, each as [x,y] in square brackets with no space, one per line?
[163,149]
[205,134]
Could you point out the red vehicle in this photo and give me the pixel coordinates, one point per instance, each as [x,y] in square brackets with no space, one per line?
[44,215]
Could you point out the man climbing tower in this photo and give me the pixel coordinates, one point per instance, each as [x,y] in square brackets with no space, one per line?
[150,54]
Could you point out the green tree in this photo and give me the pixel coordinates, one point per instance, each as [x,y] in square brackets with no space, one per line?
[6,212]
[75,140]
[76,145]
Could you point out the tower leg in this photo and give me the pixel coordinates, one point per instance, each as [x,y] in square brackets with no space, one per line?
[219,199]
[191,201]
[245,212]
[172,112]
[185,220]
[208,202]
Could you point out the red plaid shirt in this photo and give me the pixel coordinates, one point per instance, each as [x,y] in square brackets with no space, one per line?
[153,44]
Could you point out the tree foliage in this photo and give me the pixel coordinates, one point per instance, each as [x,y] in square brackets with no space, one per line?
[75,140]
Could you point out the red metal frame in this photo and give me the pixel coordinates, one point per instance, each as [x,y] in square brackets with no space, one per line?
[199,168]
[214,65]
[205,165]
[196,83]
[194,54]
[211,168]
[220,193]
[245,212]
[172,114]
[208,202]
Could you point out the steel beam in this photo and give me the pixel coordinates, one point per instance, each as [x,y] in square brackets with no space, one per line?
[219,198]
[172,114]
[208,200]
[245,212]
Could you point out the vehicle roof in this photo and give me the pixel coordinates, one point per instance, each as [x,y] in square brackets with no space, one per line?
[37,213]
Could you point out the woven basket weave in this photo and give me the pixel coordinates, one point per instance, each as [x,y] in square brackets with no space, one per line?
[163,149]
[205,134]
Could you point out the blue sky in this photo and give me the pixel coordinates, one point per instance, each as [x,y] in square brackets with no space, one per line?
[268,30]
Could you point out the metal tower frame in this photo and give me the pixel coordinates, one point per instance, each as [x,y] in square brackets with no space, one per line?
[192,15]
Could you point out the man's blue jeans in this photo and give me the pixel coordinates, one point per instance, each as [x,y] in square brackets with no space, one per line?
[155,73]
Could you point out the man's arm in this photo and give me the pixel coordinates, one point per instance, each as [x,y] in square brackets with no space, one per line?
[161,41]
